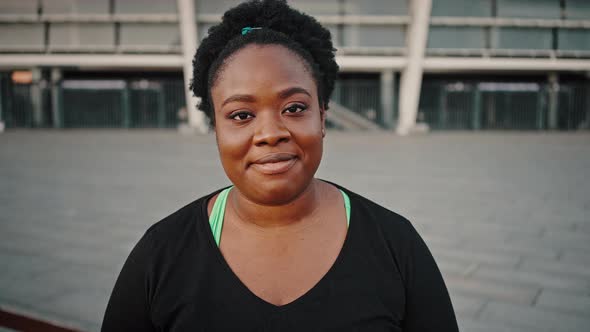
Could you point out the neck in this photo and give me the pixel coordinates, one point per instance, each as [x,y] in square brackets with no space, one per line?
[294,214]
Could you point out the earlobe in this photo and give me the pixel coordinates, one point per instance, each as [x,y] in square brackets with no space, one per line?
[323,119]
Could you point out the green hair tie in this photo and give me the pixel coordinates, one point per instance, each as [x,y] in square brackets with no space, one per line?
[246,30]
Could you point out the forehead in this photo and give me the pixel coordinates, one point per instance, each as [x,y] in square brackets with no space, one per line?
[262,67]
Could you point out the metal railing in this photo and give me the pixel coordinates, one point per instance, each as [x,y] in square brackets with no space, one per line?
[574,106]
[92,103]
[17,104]
[445,104]
[363,96]
[472,105]
[126,104]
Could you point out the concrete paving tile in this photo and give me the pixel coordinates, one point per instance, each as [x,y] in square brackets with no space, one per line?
[80,277]
[475,199]
[62,237]
[526,316]
[490,229]
[467,306]
[575,256]
[454,267]
[439,241]
[556,214]
[491,245]
[545,243]
[108,257]
[18,265]
[24,245]
[582,226]
[538,279]
[85,307]
[27,290]
[556,267]
[474,256]
[575,239]
[472,237]
[565,302]
[499,291]
[60,318]
[471,325]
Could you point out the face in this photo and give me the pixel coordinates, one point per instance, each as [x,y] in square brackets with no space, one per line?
[268,123]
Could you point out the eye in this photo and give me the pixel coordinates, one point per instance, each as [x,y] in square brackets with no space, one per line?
[295,108]
[240,116]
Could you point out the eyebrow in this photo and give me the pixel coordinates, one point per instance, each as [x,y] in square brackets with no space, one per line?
[250,98]
[292,91]
[243,98]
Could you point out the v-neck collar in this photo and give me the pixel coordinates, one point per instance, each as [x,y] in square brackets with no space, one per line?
[309,294]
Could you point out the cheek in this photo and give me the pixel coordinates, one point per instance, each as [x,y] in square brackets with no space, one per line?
[310,139]
[312,128]
[232,147]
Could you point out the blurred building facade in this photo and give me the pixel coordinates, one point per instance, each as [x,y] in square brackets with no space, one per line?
[450,64]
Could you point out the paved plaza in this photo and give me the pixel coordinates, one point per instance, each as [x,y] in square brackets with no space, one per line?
[506,214]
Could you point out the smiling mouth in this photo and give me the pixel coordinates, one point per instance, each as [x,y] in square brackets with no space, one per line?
[274,163]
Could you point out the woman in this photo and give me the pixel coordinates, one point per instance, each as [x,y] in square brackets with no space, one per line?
[279,250]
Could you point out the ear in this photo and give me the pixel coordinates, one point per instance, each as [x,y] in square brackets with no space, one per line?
[323,119]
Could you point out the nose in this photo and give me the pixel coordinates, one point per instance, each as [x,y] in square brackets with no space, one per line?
[270,130]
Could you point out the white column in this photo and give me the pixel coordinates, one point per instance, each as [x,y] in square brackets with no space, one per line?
[188,36]
[36,98]
[387,88]
[56,97]
[411,79]
[553,79]
[2,125]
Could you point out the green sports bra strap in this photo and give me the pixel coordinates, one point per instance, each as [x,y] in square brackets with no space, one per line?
[218,212]
[346,206]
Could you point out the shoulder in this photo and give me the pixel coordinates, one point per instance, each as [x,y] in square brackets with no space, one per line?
[386,232]
[373,214]
[178,227]
[170,242]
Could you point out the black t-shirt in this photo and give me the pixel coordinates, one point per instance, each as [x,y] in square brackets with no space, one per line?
[384,279]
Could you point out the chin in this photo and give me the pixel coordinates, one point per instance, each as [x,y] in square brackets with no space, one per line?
[277,192]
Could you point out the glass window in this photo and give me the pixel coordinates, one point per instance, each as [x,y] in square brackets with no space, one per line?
[317,7]
[467,8]
[143,34]
[204,27]
[376,7]
[88,35]
[524,38]
[574,39]
[145,7]
[373,36]
[18,7]
[529,8]
[577,9]
[22,37]
[75,6]
[457,37]
[360,94]
[92,104]
[335,33]
[214,6]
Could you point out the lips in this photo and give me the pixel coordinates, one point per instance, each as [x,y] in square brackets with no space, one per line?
[275,163]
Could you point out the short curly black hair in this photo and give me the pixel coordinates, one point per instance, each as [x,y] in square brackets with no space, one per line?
[280,24]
